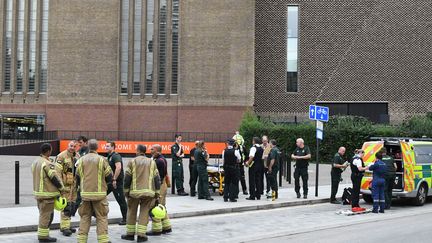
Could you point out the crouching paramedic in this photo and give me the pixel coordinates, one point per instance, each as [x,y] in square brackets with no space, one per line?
[141,186]
[93,173]
[46,187]
[161,226]
[66,166]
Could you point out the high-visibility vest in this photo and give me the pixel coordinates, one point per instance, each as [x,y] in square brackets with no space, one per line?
[142,172]
[43,172]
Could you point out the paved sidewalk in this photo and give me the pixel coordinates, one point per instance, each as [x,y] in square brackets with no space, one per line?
[24,219]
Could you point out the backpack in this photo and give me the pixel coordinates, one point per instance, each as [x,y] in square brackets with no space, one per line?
[347,196]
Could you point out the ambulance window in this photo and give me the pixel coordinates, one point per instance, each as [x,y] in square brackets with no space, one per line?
[423,154]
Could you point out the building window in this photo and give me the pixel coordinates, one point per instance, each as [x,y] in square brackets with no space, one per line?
[8,46]
[154,53]
[32,45]
[292,49]
[44,47]
[20,48]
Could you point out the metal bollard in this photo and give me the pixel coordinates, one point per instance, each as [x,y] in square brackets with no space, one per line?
[16,182]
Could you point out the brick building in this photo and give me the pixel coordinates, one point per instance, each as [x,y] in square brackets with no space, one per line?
[197,65]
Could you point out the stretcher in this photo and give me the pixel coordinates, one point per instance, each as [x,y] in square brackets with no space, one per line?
[216,177]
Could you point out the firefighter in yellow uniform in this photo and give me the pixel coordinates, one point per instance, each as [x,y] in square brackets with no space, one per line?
[141,186]
[161,226]
[93,173]
[46,187]
[66,167]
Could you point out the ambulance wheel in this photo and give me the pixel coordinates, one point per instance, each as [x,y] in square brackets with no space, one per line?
[367,198]
[421,197]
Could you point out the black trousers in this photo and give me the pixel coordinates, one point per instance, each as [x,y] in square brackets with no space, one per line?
[120,198]
[267,180]
[356,181]
[272,180]
[232,174]
[261,177]
[193,179]
[335,180]
[388,190]
[303,173]
[255,182]
[243,178]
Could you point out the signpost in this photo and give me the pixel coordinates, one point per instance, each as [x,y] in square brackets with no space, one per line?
[319,114]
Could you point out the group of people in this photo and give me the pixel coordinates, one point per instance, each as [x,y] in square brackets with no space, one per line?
[85,178]
[384,172]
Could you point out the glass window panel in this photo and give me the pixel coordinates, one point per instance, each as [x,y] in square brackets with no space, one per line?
[162,46]
[124,47]
[149,46]
[292,19]
[292,49]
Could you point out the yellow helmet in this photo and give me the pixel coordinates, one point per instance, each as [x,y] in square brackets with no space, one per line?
[60,203]
[158,212]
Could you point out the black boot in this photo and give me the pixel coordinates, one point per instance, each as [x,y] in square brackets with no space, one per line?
[166,231]
[142,238]
[128,237]
[152,233]
[49,239]
[67,232]
[122,222]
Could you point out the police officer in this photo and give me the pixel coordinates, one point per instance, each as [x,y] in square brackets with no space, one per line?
[379,169]
[389,177]
[201,159]
[47,185]
[193,174]
[66,167]
[141,186]
[302,156]
[338,166]
[177,155]
[93,193]
[272,169]
[161,226]
[242,151]
[357,171]
[267,148]
[231,163]
[116,163]
[256,166]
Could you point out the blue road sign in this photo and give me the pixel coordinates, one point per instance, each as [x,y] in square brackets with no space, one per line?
[320,113]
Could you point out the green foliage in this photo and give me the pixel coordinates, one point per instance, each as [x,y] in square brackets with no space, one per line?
[348,131]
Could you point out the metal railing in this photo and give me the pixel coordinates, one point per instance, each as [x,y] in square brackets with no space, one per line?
[22,138]
[146,136]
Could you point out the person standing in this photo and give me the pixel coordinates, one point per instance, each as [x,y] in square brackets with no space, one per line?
[357,171]
[238,138]
[379,169]
[338,167]
[193,174]
[267,148]
[301,155]
[66,167]
[142,185]
[161,226]
[94,174]
[201,159]
[256,166]
[116,163]
[82,146]
[389,177]
[242,151]
[273,168]
[177,176]
[47,185]
[231,163]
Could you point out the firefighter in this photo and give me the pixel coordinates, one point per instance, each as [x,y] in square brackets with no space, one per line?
[389,177]
[201,159]
[272,169]
[256,166]
[177,175]
[66,167]
[82,146]
[94,175]
[379,169]
[47,185]
[301,155]
[141,186]
[338,166]
[161,226]
[231,162]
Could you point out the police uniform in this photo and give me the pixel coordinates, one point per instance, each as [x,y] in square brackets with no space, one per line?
[142,183]
[93,173]
[272,171]
[201,162]
[356,178]
[46,187]
[113,159]
[378,182]
[301,170]
[66,167]
[266,153]
[255,171]
[177,168]
[231,164]
[336,174]
[389,179]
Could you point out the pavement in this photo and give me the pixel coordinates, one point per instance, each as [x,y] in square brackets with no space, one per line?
[24,219]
